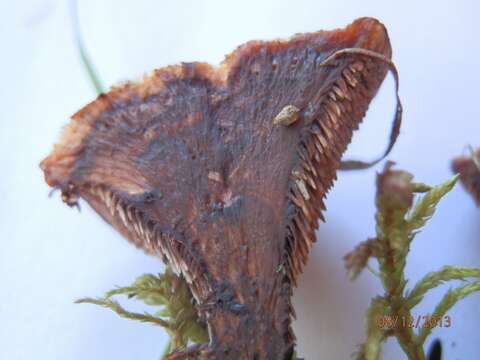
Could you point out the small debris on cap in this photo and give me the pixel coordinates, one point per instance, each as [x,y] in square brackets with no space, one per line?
[287,116]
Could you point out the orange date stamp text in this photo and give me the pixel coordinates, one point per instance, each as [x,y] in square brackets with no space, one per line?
[415,322]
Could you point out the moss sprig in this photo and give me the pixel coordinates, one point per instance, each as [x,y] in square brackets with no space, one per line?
[176,314]
[400,215]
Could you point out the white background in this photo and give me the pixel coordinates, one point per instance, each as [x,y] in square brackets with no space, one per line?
[51,254]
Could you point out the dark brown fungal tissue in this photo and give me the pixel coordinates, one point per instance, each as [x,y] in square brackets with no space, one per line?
[469,169]
[198,165]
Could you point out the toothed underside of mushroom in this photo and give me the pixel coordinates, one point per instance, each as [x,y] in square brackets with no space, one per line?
[198,165]
[469,171]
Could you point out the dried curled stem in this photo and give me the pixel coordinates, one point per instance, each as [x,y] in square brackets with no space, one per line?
[397,121]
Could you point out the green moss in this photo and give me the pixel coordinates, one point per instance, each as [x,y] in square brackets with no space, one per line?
[400,216]
[176,307]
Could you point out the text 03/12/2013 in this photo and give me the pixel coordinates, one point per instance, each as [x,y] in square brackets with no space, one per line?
[419,321]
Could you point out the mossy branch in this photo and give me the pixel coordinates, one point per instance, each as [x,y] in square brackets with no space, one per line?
[397,222]
[120,311]
[425,207]
[437,278]
[449,300]
[372,347]
[177,313]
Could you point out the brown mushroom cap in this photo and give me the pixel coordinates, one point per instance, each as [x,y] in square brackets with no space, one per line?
[189,164]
